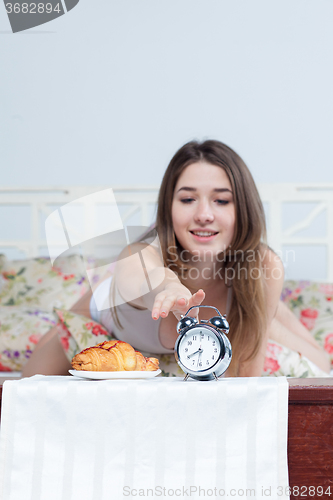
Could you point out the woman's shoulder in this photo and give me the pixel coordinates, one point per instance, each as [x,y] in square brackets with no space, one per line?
[272,267]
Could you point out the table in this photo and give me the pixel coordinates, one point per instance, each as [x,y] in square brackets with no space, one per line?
[310,433]
[64,438]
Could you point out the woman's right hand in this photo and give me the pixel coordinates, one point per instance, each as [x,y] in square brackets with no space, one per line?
[176,298]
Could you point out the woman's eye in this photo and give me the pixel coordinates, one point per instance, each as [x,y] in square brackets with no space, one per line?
[186,200]
[222,202]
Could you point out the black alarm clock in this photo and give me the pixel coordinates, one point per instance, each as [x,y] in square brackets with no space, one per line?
[202,349]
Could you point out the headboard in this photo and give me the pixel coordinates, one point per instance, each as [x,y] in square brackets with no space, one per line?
[299,220]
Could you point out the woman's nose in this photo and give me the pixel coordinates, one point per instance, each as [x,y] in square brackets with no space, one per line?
[204,213]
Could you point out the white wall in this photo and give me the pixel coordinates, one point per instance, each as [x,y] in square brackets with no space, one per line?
[105,94]
[109,91]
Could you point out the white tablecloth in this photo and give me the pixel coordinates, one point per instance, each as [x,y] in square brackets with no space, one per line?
[64,438]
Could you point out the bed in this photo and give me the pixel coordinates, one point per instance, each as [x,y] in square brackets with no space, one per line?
[293,211]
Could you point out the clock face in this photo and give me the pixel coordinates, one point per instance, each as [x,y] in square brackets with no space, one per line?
[199,349]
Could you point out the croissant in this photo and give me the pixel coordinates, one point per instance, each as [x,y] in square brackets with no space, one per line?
[113,356]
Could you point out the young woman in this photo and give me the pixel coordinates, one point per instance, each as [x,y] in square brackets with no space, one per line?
[211,230]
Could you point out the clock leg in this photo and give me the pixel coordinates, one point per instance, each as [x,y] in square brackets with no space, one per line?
[186,377]
[215,377]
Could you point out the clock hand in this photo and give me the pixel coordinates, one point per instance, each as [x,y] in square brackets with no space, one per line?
[200,352]
[196,352]
[193,353]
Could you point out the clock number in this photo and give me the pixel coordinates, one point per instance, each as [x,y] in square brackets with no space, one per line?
[215,350]
[200,364]
[193,361]
[213,357]
[207,362]
[208,337]
[186,349]
[194,337]
[189,342]
[213,342]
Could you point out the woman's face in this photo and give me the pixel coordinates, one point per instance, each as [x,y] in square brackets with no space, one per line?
[203,210]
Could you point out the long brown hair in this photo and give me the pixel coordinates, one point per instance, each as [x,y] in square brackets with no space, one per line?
[243,259]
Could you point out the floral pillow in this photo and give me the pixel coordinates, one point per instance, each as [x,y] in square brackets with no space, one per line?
[20,330]
[3,260]
[2,279]
[33,282]
[22,327]
[79,332]
[312,303]
[282,361]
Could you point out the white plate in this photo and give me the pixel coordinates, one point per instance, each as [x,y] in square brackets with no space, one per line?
[112,375]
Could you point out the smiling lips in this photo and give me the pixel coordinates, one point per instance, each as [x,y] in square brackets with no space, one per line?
[204,235]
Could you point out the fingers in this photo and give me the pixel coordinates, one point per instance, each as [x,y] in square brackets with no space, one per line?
[196,300]
[164,304]
[179,305]
[198,297]
[157,308]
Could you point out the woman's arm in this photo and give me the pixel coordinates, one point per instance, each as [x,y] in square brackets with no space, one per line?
[152,286]
[285,336]
[289,331]
[166,294]
[282,325]
[288,319]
